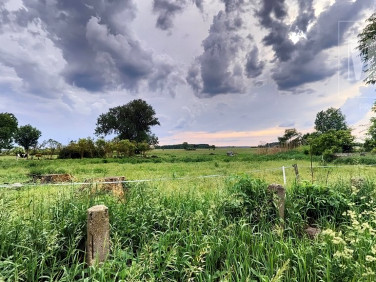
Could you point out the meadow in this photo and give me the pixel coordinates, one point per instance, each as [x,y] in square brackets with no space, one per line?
[201,216]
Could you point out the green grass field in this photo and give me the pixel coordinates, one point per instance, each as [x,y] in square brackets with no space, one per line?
[185,227]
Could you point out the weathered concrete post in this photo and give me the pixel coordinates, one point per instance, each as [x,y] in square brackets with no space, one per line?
[281,193]
[98,234]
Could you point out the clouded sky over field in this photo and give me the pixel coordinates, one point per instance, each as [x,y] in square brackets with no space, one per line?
[224,72]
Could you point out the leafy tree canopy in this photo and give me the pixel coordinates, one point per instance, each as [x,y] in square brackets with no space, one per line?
[370,142]
[8,127]
[367,48]
[131,121]
[27,137]
[331,119]
[331,142]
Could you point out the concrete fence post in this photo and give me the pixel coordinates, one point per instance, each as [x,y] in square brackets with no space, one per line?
[98,234]
[284,175]
[281,193]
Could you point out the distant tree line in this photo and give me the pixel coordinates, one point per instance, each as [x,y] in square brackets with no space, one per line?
[187,146]
[131,122]
[332,136]
[100,148]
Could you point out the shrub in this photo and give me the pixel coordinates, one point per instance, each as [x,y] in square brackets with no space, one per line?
[251,198]
[314,203]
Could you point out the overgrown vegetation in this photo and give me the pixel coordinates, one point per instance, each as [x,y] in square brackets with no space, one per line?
[200,233]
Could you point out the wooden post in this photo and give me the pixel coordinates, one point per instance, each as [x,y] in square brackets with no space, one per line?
[295,166]
[281,193]
[98,235]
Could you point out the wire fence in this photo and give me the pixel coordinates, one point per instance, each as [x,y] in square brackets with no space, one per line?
[282,169]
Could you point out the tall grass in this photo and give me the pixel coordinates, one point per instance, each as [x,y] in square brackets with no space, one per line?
[212,230]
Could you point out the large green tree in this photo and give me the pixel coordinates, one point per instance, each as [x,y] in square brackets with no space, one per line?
[131,121]
[27,137]
[331,119]
[370,142]
[8,127]
[367,48]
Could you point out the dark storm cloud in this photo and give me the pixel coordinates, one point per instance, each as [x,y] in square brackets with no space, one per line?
[305,17]
[305,61]
[271,9]
[100,50]
[167,9]
[272,15]
[254,66]
[219,70]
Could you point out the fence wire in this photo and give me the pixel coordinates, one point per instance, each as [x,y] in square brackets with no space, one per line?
[19,185]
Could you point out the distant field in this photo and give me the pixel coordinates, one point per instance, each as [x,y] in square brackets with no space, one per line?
[181,163]
[184,226]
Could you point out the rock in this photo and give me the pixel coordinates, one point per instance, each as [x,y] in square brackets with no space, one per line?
[312,232]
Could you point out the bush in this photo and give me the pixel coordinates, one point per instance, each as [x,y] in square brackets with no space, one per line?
[315,203]
[250,198]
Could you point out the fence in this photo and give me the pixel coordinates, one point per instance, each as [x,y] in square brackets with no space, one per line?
[280,172]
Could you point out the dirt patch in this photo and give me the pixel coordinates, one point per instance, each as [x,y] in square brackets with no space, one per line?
[112,185]
[52,178]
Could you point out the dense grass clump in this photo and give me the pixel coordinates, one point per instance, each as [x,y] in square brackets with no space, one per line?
[313,204]
[364,160]
[250,198]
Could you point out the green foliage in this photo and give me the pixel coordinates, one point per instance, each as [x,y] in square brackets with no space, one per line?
[143,147]
[189,234]
[86,145]
[125,148]
[331,119]
[83,148]
[313,204]
[131,121]
[250,198]
[87,148]
[331,142]
[367,49]
[27,136]
[51,147]
[37,171]
[8,128]
[369,144]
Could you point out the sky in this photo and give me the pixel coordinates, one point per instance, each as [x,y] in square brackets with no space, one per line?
[222,72]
